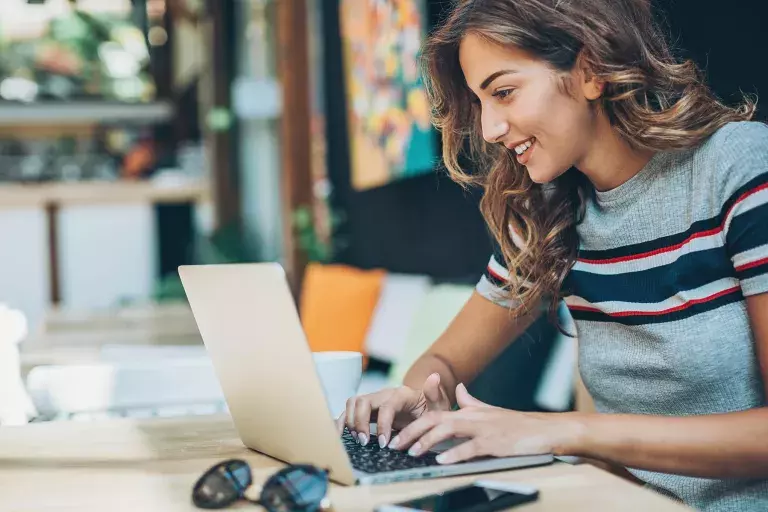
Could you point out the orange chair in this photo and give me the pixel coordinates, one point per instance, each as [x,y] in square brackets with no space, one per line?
[337,304]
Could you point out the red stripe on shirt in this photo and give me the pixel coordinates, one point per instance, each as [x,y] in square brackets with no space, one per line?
[674,309]
[496,275]
[675,247]
[753,264]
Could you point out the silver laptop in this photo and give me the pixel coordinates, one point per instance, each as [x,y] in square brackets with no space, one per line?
[250,326]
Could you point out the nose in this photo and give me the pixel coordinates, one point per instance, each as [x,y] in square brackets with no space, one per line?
[494,125]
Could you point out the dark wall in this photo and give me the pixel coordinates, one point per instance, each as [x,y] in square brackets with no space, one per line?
[426,224]
[727,40]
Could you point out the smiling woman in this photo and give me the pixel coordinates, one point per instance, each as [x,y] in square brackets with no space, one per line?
[523,106]
[614,180]
[566,77]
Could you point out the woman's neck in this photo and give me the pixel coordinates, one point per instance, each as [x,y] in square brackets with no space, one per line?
[610,161]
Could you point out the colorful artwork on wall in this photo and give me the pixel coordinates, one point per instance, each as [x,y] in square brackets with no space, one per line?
[389,125]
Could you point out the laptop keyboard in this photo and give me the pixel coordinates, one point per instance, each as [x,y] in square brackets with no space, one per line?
[372,459]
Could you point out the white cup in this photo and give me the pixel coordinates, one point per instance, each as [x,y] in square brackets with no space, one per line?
[340,374]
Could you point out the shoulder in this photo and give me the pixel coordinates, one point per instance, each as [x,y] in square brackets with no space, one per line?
[742,131]
[735,158]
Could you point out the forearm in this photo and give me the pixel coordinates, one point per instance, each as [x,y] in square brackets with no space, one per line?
[733,445]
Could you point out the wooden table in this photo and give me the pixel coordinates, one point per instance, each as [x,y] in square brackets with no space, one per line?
[61,194]
[151,465]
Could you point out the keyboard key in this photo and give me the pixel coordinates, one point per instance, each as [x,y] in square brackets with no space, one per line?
[373,459]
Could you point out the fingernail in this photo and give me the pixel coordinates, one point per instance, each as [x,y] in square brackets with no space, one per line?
[382,442]
[441,459]
[354,436]
[415,450]
[363,439]
[394,443]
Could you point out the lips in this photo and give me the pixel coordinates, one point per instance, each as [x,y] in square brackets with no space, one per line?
[524,150]
[520,146]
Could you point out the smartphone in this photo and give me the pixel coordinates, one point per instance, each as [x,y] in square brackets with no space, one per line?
[481,496]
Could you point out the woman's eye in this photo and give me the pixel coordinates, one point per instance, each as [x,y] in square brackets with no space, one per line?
[503,94]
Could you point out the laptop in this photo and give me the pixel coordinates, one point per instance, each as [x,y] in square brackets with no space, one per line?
[249,324]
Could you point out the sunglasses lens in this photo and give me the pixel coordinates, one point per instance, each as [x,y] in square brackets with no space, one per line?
[296,488]
[222,485]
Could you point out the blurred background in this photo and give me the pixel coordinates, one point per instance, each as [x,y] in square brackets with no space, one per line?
[140,135]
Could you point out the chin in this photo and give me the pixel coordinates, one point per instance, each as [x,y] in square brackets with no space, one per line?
[543,176]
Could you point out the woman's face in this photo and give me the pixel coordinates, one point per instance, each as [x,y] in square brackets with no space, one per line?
[526,108]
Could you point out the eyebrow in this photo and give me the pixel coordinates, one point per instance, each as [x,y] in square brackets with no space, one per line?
[494,76]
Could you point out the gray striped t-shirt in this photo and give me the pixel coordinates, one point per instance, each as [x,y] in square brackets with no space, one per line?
[658,295]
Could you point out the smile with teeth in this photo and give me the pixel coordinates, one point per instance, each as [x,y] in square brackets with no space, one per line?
[522,148]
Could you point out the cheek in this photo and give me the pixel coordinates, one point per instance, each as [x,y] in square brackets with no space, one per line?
[546,113]
[533,113]
[560,114]
[562,125]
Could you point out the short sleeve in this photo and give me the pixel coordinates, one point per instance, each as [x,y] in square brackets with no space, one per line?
[494,279]
[743,166]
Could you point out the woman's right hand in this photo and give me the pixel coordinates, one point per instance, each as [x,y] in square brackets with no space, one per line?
[392,408]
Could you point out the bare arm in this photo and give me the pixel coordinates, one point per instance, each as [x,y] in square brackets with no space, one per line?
[728,445]
[479,333]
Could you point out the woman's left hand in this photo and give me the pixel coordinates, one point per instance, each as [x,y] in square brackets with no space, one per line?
[490,431]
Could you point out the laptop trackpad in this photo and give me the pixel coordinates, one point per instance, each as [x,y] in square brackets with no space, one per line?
[447,445]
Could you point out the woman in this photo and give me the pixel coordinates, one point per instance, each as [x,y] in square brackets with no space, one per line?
[615,180]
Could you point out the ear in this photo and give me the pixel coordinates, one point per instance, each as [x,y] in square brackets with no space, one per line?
[591,86]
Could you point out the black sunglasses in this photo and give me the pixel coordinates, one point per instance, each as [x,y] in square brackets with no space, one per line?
[295,488]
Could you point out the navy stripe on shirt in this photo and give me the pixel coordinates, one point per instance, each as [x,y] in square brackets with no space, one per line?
[748,230]
[656,284]
[753,269]
[673,314]
[667,243]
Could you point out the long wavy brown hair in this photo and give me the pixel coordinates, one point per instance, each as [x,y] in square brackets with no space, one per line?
[654,101]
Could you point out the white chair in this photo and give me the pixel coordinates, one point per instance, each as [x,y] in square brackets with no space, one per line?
[399,302]
[556,387]
[16,408]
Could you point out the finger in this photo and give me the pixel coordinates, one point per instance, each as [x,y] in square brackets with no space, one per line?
[386,417]
[363,419]
[351,411]
[340,421]
[411,433]
[464,399]
[440,433]
[373,401]
[349,416]
[402,399]
[431,388]
[465,451]
[437,399]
